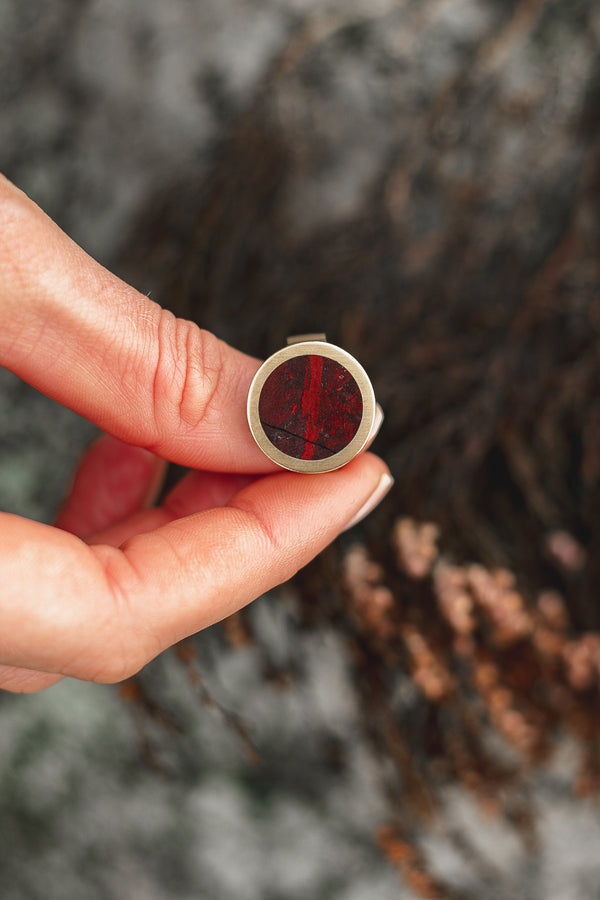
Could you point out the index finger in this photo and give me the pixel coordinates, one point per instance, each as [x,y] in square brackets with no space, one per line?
[85,338]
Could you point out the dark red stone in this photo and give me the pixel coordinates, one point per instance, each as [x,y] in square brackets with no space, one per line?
[310,407]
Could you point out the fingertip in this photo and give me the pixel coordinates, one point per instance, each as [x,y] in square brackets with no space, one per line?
[371,481]
[382,488]
[113,480]
[306,512]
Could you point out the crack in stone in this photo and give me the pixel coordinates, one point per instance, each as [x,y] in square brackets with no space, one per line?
[293,434]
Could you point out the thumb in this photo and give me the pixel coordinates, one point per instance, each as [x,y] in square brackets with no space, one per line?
[101,612]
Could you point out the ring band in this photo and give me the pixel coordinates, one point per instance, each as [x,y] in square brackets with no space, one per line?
[311,406]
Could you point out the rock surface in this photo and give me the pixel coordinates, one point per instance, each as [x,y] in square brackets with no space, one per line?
[310,407]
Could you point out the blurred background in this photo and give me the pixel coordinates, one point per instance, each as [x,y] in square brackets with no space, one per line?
[417,714]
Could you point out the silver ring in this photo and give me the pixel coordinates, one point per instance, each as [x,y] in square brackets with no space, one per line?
[311,406]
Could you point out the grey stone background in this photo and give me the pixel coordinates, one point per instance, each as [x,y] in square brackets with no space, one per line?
[101,103]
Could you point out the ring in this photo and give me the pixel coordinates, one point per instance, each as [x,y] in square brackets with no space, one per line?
[311,406]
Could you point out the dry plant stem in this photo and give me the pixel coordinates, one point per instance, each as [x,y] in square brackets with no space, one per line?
[466,279]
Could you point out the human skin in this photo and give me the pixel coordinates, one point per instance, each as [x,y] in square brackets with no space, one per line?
[118,580]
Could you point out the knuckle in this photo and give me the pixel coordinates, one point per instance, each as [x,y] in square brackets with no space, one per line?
[186,375]
[123,641]
[269,543]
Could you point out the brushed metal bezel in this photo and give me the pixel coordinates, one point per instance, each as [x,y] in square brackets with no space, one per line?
[358,442]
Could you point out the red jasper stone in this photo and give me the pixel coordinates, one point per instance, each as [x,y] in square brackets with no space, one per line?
[310,407]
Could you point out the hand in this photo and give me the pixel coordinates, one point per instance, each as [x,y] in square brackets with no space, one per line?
[118,581]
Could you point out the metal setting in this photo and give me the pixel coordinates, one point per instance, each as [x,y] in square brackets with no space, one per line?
[316,346]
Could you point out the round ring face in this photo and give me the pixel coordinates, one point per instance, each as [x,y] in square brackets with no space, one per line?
[311,407]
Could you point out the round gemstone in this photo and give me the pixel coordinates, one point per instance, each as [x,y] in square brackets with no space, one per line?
[310,407]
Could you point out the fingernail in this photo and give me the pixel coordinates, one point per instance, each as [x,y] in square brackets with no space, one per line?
[383,486]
